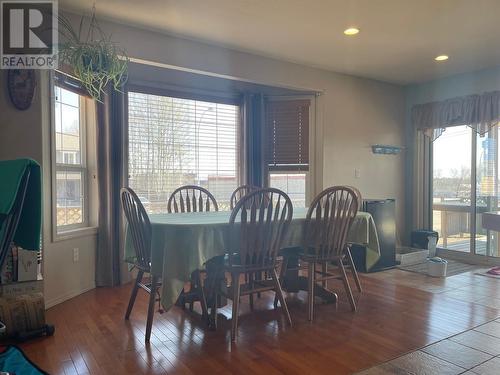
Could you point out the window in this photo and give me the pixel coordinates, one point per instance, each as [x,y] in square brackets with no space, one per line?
[287,149]
[174,141]
[465,185]
[70,162]
[294,184]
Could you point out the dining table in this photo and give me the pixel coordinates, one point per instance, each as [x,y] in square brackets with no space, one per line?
[183,242]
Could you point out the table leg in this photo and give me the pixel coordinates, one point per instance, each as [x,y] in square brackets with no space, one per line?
[301,283]
[292,282]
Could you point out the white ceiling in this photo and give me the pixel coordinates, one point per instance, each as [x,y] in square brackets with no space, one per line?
[397,43]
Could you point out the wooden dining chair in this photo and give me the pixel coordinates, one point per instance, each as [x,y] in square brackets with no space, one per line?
[140,231]
[349,262]
[261,218]
[192,198]
[240,192]
[327,225]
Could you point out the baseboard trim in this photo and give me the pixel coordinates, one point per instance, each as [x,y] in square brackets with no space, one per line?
[56,301]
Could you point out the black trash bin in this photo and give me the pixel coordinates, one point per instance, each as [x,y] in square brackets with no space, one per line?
[420,238]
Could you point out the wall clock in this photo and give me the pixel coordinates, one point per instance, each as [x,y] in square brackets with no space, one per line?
[21,84]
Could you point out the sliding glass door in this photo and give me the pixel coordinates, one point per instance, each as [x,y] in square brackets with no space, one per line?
[464,186]
[486,242]
[452,188]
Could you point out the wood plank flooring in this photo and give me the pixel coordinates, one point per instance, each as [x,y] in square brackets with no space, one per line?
[398,312]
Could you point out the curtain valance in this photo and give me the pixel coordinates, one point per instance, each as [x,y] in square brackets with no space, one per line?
[480,112]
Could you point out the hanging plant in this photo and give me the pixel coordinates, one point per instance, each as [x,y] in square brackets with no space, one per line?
[94,59]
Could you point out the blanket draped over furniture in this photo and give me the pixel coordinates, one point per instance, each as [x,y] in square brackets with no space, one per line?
[20,204]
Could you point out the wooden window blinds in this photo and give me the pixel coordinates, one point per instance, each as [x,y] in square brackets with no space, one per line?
[287,133]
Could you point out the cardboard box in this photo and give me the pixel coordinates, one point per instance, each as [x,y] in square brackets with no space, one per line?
[27,265]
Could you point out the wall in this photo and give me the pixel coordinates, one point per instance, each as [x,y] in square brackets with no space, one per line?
[457,85]
[27,134]
[353,112]
[20,131]
[441,89]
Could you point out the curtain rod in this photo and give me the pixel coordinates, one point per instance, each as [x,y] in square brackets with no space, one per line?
[223,76]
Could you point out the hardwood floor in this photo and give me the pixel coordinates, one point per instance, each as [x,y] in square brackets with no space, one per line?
[398,313]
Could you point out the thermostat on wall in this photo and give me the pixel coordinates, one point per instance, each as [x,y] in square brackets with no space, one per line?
[386,149]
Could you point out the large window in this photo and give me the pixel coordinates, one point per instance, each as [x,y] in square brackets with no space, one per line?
[71,197]
[465,185]
[174,142]
[287,148]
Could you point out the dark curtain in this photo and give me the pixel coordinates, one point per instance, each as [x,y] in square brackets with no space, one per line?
[110,125]
[253,145]
[422,182]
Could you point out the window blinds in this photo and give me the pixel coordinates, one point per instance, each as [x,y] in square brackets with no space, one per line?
[287,132]
[175,142]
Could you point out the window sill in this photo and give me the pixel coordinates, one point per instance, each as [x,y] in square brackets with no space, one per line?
[74,233]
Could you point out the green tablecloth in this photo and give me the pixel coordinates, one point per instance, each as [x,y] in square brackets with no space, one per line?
[183,242]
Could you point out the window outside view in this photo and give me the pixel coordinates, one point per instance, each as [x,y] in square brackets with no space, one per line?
[174,142]
[294,184]
[453,184]
[70,172]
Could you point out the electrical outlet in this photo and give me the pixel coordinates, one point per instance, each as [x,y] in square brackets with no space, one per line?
[357,173]
[76,255]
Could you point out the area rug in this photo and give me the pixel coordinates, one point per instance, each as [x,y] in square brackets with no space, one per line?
[454,268]
[14,361]
[484,272]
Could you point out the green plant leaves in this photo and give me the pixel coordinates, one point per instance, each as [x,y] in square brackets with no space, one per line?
[96,61]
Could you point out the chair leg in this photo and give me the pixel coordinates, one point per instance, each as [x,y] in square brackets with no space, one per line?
[236,304]
[279,293]
[151,307]
[250,296]
[353,270]
[284,265]
[324,270]
[192,286]
[201,296]
[310,290]
[259,278]
[213,312]
[134,294]
[346,285]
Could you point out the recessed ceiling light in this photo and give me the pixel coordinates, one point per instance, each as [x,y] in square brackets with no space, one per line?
[351,31]
[441,58]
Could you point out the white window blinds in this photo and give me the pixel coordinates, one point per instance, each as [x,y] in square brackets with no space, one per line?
[175,141]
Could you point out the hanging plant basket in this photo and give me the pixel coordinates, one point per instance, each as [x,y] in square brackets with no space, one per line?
[94,59]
